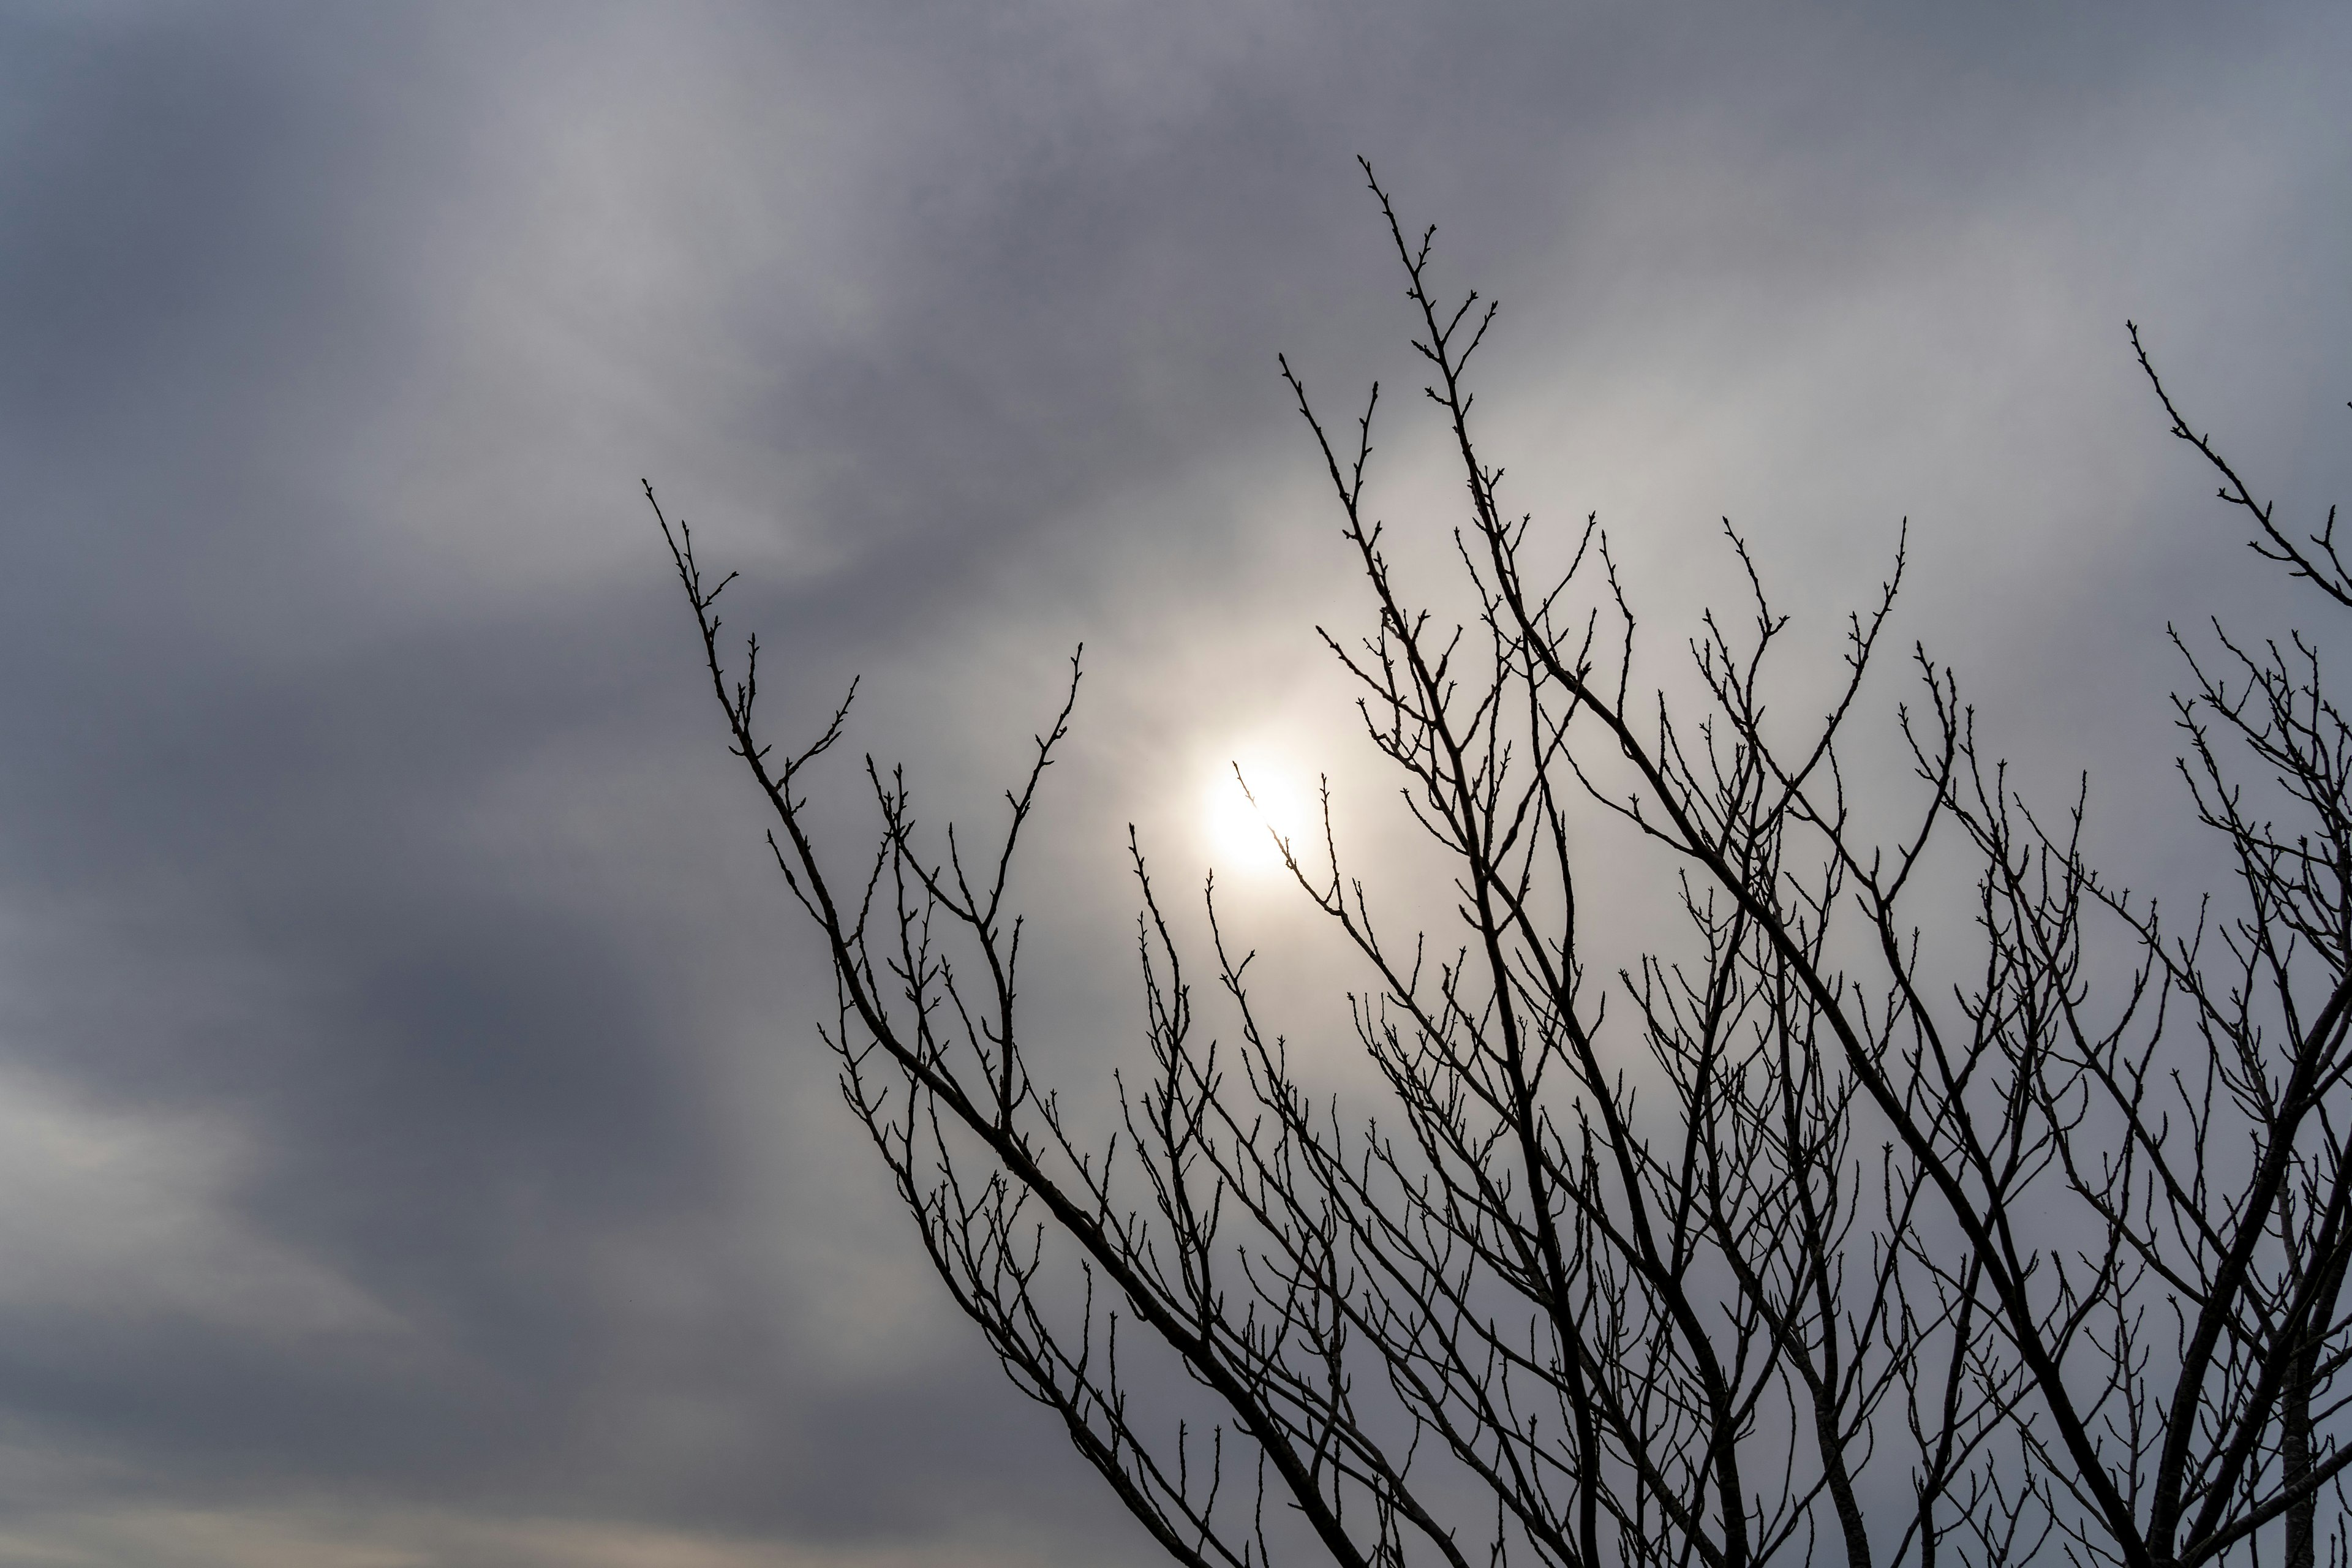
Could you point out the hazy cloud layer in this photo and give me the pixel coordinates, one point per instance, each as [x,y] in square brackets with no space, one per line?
[414,1143]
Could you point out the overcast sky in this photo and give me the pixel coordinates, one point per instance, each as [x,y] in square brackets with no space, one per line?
[414,1147]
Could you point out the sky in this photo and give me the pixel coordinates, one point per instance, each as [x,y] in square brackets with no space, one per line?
[415,1143]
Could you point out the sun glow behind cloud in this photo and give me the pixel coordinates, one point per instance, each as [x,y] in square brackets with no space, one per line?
[1250,805]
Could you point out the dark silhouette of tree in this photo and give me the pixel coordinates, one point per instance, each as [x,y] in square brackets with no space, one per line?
[1814,1234]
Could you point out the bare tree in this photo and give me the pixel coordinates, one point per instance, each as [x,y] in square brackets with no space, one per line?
[1810,1235]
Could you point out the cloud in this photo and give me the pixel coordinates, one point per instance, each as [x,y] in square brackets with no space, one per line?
[113,1213]
[414,1143]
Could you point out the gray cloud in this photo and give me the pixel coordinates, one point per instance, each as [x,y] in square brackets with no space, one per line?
[416,1144]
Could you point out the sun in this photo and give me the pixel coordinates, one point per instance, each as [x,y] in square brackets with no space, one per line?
[1242,824]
